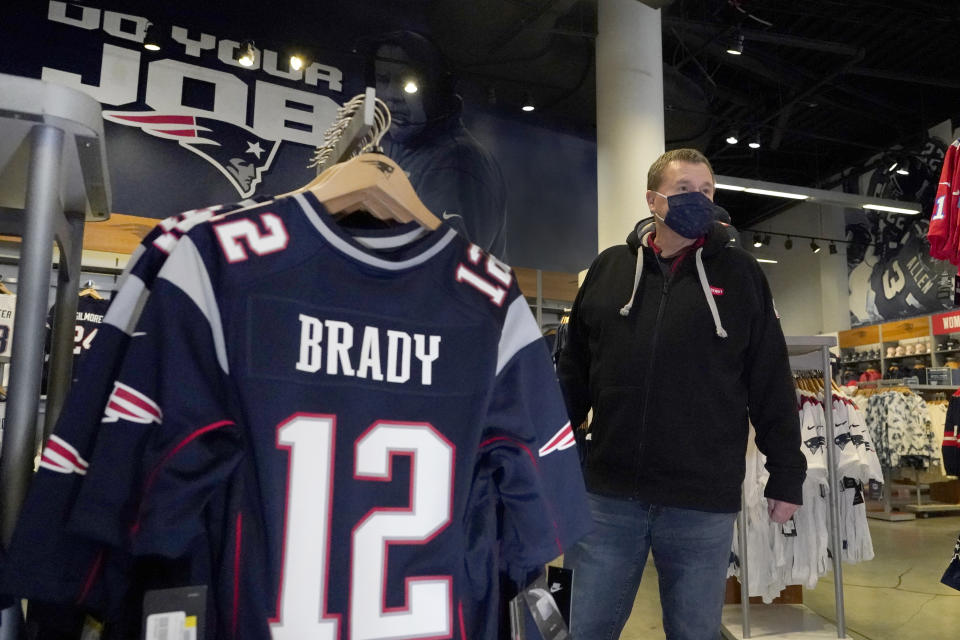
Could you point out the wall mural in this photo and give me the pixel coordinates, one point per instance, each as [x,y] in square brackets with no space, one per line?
[891,273]
[191,126]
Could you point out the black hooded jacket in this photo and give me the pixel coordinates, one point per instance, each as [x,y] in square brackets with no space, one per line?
[671,378]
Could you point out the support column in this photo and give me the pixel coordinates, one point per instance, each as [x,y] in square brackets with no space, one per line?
[630,130]
[834,279]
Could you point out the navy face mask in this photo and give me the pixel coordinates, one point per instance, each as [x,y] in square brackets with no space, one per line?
[690,214]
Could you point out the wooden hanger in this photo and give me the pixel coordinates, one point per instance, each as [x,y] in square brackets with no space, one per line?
[4,290]
[374,183]
[90,291]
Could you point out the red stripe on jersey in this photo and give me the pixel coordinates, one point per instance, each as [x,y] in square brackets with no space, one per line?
[91,577]
[136,398]
[565,430]
[236,573]
[512,441]
[180,445]
[533,459]
[463,632]
[56,445]
[116,411]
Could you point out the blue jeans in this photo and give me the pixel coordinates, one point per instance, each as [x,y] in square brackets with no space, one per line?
[691,550]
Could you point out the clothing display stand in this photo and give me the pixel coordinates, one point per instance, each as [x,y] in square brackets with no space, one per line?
[53,177]
[797,622]
[926,508]
[888,514]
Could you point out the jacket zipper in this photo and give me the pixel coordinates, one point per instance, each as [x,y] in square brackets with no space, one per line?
[664,293]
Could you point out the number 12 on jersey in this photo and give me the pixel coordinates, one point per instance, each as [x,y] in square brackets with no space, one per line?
[302,598]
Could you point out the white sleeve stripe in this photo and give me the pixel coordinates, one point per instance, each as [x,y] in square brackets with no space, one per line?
[54,458]
[519,330]
[127,304]
[185,270]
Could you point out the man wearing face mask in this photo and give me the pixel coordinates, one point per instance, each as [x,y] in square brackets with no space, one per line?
[673,341]
[453,174]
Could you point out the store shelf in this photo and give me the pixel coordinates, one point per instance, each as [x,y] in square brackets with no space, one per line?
[933,387]
[786,621]
[892,516]
[806,351]
[800,345]
[910,355]
[933,507]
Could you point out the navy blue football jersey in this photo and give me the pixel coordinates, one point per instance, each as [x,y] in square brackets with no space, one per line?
[337,419]
[46,562]
[89,317]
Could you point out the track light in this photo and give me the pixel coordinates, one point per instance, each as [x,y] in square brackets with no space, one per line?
[903,171]
[732,137]
[814,246]
[246,53]
[788,244]
[735,46]
[527,103]
[411,86]
[766,239]
[833,248]
[757,242]
[151,39]
[754,141]
[296,62]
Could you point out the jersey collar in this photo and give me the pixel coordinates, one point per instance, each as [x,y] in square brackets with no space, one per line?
[393,249]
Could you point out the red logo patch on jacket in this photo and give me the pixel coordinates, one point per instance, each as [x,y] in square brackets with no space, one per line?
[717,291]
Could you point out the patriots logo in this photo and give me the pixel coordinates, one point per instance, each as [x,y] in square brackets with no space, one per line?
[236,151]
[126,403]
[383,167]
[59,456]
[815,443]
[842,440]
[563,439]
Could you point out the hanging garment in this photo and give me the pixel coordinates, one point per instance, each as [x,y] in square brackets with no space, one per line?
[274,336]
[950,449]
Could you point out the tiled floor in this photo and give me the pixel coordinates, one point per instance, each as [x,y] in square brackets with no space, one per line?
[895,596]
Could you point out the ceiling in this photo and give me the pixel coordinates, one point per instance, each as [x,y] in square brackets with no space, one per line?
[826,84]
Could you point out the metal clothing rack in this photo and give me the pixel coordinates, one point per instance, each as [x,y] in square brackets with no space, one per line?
[53,177]
[908,514]
[797,621]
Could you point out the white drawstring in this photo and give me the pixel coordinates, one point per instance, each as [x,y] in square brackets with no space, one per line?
[625,309]
[709,295]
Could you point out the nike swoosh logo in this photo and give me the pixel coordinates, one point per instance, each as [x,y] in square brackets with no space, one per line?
[448,216]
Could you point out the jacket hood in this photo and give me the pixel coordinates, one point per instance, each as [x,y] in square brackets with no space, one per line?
[716,239]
